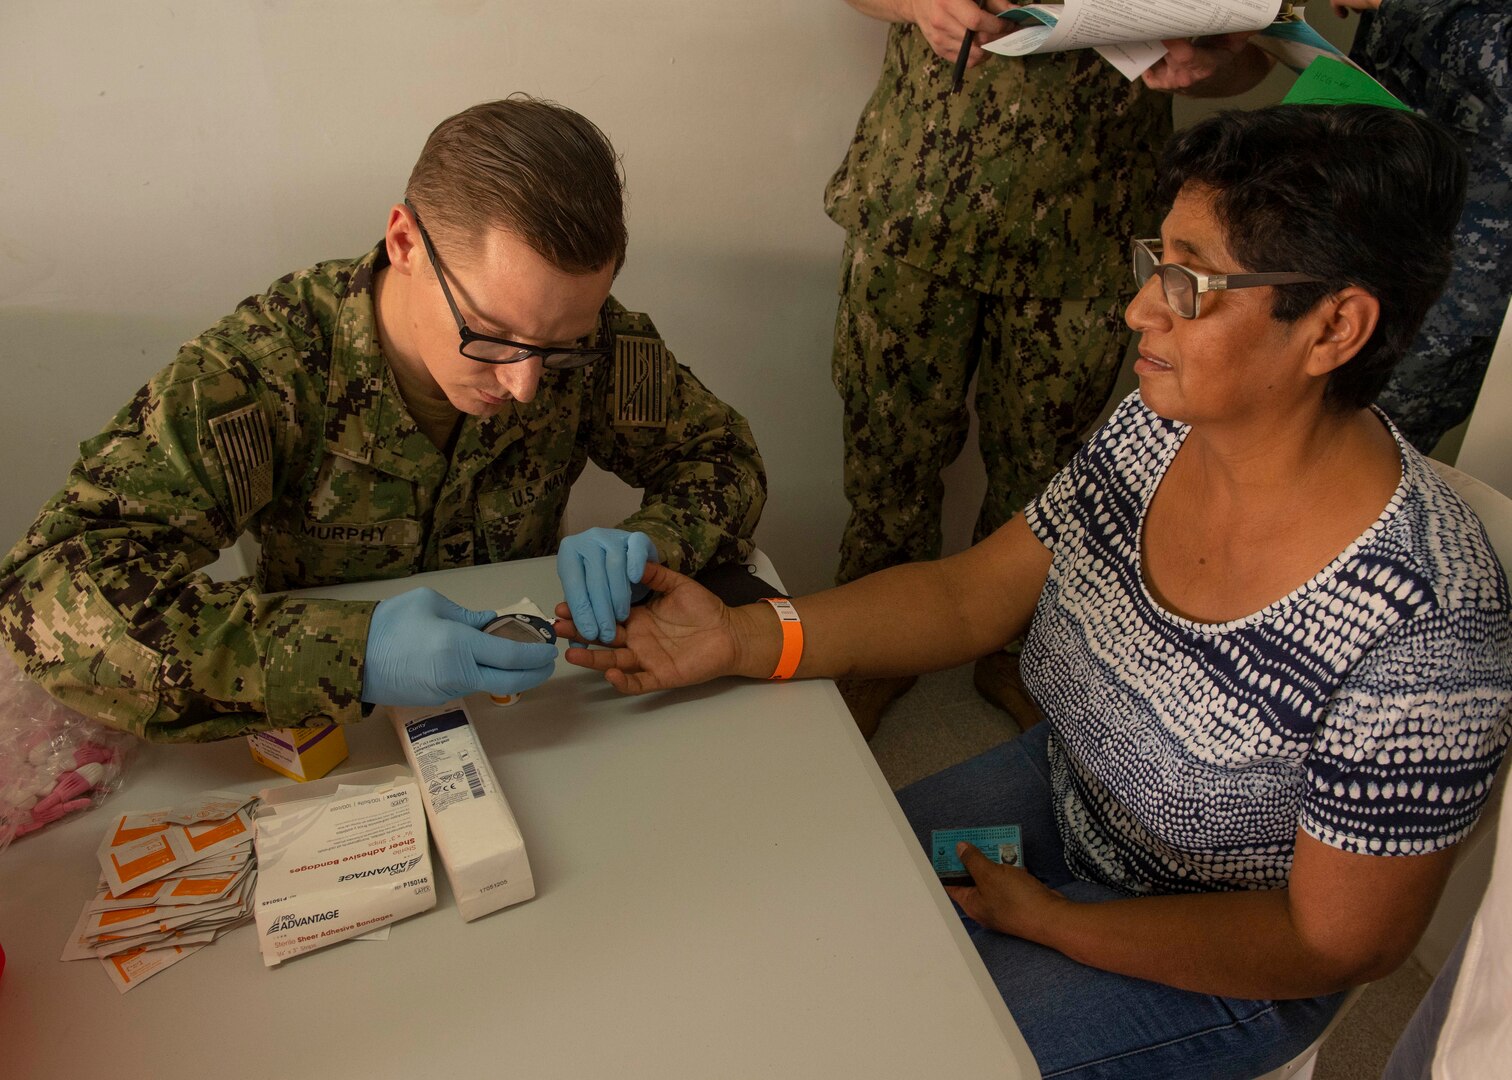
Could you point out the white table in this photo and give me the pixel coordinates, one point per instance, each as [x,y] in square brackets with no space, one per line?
[726,888]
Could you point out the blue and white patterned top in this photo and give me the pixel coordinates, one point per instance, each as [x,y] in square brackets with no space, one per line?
[1370,706]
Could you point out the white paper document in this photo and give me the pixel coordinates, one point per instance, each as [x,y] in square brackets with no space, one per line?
[339,858]
[1126,33]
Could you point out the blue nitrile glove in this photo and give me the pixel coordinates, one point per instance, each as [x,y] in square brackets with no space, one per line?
[422,649]
[600,569]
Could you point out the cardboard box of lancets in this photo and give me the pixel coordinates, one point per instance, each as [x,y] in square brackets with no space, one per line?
[474,829]
[300,753]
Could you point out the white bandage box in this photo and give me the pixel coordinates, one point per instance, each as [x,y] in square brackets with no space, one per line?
[339,858]
[474,829]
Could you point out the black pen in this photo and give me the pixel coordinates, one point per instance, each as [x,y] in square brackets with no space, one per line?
[960,64]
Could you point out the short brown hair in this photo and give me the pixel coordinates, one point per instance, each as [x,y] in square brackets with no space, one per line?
[536,168]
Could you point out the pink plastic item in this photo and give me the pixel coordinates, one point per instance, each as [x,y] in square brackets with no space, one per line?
[53,761]
[71,785]
[92,752]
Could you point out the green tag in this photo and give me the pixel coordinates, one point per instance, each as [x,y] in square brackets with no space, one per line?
[1333,82]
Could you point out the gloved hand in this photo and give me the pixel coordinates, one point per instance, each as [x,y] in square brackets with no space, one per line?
[599,570]
[422,649]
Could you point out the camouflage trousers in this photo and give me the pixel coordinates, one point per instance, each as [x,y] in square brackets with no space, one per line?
[907,344]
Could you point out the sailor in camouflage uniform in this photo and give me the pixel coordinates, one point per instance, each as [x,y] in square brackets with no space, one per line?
[985,235]
[334,419]
[1448,59]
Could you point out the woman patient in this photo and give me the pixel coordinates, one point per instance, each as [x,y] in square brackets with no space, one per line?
[1271,645]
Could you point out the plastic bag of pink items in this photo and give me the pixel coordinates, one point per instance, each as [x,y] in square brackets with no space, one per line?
[53,761]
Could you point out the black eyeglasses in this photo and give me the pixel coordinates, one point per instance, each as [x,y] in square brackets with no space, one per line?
[496,350]
[1183,288]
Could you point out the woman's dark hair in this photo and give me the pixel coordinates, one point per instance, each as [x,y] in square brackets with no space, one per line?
[1351,194]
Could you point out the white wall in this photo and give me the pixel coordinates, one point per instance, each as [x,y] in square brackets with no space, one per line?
[158,162]
[162,161]
[1486,453]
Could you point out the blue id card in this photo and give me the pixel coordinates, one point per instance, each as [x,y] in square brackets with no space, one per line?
[1000,843]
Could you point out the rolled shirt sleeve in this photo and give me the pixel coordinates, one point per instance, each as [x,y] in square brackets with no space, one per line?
[105,603]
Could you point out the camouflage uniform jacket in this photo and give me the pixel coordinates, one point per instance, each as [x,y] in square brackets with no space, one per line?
[285,421]
[1448,59]
[1028,182]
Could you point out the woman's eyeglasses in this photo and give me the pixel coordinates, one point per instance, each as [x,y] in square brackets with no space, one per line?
[1183,288]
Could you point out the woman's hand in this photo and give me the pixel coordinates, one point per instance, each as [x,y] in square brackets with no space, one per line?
[1217,65]
[1342,8]
[1007,899]
[684,636]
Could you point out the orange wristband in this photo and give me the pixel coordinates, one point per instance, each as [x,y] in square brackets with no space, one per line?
[792,637]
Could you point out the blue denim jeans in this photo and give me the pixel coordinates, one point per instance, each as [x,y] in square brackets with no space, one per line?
[1080,1022]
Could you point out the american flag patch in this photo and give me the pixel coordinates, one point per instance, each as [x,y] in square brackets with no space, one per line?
[245,446]
[642,381]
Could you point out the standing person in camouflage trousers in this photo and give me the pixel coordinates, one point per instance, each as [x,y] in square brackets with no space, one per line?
[427,405]
[985,235]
